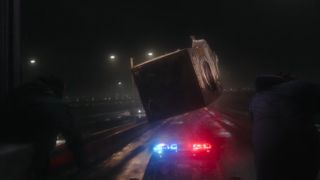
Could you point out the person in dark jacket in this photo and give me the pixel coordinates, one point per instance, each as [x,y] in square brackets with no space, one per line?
[286,142]
[38,114]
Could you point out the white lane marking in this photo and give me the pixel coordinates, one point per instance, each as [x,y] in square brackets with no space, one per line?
[136,167]
[225,134]
[177,122]
[227,122]
[116,158]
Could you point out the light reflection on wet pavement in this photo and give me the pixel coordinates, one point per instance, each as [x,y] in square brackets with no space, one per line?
[132,160]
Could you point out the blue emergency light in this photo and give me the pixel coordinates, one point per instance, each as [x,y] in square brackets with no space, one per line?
[161,148]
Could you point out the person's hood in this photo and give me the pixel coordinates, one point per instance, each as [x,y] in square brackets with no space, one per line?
[266,82]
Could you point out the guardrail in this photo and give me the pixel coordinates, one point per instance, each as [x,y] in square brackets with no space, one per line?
[109,133]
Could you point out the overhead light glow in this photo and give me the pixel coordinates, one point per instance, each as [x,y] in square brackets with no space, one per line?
[112,57]
[32,61]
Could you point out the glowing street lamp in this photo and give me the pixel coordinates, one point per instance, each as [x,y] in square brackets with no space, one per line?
[112,57]
[150,54]
[119,83]
[32,61]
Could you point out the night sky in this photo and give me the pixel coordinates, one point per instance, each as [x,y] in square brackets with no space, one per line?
[72,38]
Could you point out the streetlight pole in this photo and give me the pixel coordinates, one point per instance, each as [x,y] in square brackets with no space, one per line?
[132,79]
[10,63]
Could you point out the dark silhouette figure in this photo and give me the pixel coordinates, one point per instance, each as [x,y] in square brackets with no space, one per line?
[285,140]
[37,114]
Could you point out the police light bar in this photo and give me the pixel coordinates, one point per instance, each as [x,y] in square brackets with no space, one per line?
[195,148]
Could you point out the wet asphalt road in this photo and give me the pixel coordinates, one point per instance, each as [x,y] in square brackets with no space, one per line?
[132,157]
[136,159]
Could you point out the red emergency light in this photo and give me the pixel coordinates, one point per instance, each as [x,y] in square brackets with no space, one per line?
[201,147]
